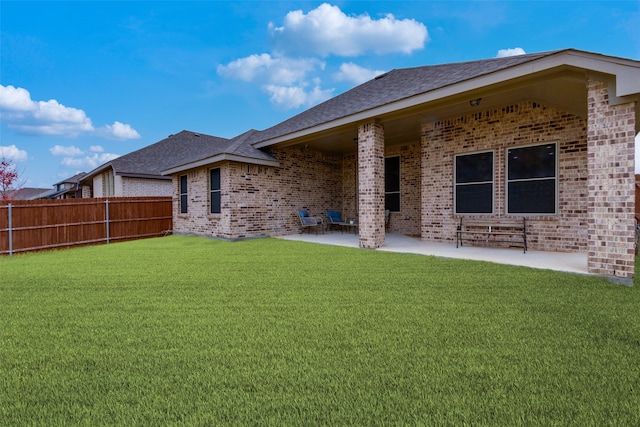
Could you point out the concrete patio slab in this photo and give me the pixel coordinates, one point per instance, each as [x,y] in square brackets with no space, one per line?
[560,261]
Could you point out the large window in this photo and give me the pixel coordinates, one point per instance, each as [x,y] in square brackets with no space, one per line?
[532,179]
[392,184]
[183,194]
[214,190]
[473,186]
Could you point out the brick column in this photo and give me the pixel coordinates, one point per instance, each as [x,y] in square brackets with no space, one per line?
[371,185]
[611,186]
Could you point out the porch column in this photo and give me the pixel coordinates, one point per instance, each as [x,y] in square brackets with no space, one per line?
[611,184]
[371,185]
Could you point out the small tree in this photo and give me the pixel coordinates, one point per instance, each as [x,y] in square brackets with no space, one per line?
[8,179]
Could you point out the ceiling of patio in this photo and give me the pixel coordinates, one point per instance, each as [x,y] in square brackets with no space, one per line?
[565,91]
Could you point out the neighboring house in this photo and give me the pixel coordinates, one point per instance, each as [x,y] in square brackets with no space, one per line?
[139,173]
[547,136]
[68,188]
[28,193]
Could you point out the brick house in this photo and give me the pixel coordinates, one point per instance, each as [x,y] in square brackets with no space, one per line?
[139,173]
[68,188]
[548,136]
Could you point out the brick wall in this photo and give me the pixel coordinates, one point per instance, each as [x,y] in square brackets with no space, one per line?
[371,185]
[496,129]
[262,200]
[138,187]
[409,188]
[611,186]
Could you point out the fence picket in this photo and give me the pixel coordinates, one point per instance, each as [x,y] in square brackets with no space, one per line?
[36,224]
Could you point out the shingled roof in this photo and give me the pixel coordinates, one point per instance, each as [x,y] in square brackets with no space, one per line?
[390,87]
[180,148]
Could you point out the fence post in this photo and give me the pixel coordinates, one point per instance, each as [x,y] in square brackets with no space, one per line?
[10,213]
[107,218]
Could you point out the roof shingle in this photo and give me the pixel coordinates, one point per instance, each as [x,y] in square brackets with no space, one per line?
[393,86]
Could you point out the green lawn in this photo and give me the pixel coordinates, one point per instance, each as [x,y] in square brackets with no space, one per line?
[192,331]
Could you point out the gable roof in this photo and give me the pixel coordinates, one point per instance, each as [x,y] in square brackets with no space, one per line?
[29,193]
[235,149]
[150,161]
[403,88]
[72,180]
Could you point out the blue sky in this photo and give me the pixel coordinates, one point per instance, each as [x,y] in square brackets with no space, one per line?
[84,82]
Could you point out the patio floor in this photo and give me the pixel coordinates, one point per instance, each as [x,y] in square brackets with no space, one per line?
[560,261]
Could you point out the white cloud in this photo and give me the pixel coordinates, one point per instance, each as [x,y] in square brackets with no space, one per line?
[296,96]
[15,99]
[25,115]
[88,162]
[503,53]
[327,30]
[350,72]
[59,150]
[268,69]
[121,131]
[284,79]
[77,158]
[12,153]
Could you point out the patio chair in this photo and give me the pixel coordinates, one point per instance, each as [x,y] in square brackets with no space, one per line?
[308,221]
[334,218]
[387,219]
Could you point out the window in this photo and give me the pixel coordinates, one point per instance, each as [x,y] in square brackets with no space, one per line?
[532,179]
[214,189]
[473,186]
[392,184]
[108,187]
[183,194]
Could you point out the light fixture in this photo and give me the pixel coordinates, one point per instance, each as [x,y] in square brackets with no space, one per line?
[475,102]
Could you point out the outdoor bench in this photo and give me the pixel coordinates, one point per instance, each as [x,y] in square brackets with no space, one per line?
[488,231]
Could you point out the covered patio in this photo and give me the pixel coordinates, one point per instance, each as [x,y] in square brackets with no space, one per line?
[396,242]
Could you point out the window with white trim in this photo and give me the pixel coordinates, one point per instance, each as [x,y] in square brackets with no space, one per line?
[532,179]
[183,194]
[473,183]
[214,191]
[392,183]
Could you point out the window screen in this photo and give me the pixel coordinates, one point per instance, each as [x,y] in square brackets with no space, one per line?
[532,179]
[215,191]
[392,184]
[183,194]
[474,183]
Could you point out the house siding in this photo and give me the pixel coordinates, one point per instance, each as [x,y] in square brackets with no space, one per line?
[138,187]
[497,129]
[262,200]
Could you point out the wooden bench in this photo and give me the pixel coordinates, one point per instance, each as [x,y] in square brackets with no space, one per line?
[488,231]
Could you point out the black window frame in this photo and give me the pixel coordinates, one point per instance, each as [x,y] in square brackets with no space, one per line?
[392,184]
[183,190]
[215,192]
[532,180]
[469,188]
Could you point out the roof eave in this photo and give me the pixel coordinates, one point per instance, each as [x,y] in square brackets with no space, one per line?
[220,158]
[624,71]
[96,171]
[141,175]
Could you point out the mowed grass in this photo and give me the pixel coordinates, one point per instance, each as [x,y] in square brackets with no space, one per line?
[192,331]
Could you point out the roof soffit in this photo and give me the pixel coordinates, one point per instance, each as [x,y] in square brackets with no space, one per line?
[568,64]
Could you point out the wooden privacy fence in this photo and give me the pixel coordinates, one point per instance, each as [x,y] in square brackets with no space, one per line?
[31,225]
